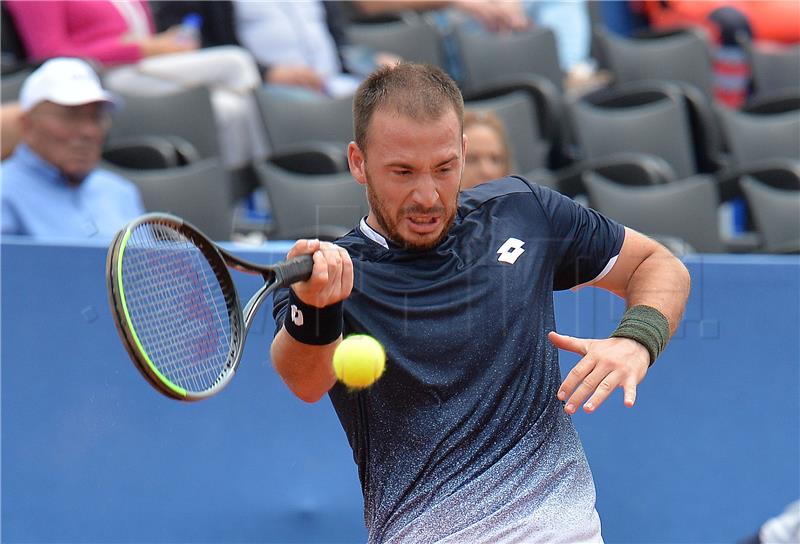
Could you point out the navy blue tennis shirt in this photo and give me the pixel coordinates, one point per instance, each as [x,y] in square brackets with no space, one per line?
[463,438]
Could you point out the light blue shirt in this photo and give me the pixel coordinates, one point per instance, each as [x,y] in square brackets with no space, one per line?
[37,200]
[288,33]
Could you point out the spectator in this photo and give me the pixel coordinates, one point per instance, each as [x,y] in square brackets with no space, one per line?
[781,529]
[298,46]
[51,186]
[9,122]
[499,16]
[728,23]
[120,36]
[488,155]
[502,16]
[571,26]
[307,38]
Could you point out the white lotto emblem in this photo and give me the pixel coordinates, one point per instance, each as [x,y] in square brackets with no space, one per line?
[510,251]
[297,316]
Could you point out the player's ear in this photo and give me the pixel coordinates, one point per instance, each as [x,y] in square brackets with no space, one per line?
[357,163]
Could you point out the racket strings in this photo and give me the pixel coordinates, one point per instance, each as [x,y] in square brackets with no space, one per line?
[177,307]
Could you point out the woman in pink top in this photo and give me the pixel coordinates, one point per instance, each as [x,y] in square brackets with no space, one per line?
[97,30]
[119,35]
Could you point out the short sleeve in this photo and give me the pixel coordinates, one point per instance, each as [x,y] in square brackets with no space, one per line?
[584,242]
[280,300]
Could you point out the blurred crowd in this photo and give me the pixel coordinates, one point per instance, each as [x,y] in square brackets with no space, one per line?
[61,177]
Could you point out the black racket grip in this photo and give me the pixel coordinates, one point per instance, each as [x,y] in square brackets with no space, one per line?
[294,270]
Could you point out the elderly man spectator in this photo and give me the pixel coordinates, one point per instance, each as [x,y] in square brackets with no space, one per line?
[51,186]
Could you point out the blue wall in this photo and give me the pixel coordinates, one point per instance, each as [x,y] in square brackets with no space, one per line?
[90,453]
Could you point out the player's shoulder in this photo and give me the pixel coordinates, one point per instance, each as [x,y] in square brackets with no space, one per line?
[510,187]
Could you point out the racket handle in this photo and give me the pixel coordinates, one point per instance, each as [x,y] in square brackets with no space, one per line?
[294,270]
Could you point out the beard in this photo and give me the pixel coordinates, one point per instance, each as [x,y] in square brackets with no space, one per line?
[389,224]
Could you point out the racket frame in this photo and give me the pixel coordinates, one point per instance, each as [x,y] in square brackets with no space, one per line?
[220,261]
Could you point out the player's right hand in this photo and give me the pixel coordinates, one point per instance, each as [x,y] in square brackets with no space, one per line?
[332,277]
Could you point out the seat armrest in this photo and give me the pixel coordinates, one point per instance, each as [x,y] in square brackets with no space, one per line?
[141,152]
[312,158]
[625,168]
[747,242]
[779,173]
[150,151]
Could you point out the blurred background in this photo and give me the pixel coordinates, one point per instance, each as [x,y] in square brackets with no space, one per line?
[680,119]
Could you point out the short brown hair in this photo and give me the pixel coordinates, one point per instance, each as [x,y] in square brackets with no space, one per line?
[419,91]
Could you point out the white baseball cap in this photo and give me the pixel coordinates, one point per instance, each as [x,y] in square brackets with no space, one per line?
[64,81]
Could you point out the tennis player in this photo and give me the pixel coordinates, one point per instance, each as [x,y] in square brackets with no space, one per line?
[467,437]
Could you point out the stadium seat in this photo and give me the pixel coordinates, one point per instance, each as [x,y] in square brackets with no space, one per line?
[776,214]
[528,108]
[776,102]
[650,118]
[678,55]
[416,41]
[303,206]
[143,153]
[292,124]
[488,57]
[774,68]
[198,193]
[753,137]
[185,117]
[763,141]
[685,209]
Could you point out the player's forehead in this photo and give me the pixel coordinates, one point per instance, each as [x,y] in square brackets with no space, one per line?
[394,136]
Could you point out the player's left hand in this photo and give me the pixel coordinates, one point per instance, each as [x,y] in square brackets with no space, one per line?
[605,365]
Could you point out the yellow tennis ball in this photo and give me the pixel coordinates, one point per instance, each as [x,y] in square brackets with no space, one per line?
[359,361]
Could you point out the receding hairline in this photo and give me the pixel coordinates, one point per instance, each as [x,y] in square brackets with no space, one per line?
[395,111]
[419,92]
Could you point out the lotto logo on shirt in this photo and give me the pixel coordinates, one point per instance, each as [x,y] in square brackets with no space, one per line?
[510,251]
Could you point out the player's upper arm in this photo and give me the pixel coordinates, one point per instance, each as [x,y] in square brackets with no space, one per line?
[635,249]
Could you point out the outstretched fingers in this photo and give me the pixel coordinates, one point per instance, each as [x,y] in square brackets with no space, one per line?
[574,382]
[569,343]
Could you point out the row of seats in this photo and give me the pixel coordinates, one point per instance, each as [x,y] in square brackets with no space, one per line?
[679,54]
[656,125]
[683,215]
[310,138]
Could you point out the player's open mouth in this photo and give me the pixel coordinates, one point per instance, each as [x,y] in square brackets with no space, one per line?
[423,224]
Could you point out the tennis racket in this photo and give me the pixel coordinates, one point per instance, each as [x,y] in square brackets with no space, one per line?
[176,307]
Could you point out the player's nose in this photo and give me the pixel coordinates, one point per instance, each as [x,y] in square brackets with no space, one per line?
[426,193]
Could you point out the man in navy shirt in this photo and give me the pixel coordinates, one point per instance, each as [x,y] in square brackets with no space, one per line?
[467,436]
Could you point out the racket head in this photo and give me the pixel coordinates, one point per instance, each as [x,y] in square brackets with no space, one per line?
[175,306]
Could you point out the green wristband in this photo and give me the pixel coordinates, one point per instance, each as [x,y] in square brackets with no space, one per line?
[647,326]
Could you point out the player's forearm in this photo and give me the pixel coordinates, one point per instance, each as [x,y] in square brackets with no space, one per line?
[305,368]
[663,282]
